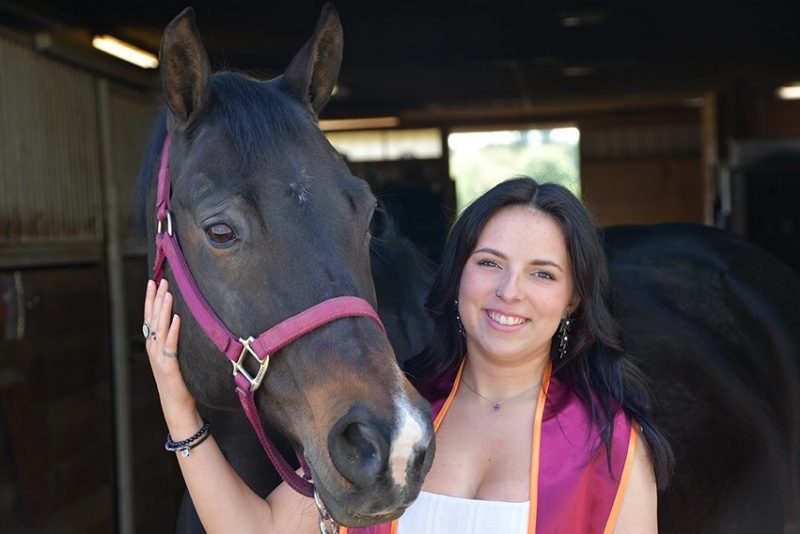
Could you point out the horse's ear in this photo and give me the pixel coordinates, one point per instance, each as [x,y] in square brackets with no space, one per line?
[313,71]
[184,68]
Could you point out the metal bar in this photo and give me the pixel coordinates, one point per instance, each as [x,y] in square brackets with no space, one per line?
[119,351]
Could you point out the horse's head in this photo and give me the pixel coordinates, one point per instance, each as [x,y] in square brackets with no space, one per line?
[271,222]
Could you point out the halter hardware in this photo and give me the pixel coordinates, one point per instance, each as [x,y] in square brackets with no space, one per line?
[324,517]
[262,364]
[169,224]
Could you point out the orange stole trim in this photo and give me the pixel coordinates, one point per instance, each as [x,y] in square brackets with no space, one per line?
[536,447]
[446,406]
[623,481]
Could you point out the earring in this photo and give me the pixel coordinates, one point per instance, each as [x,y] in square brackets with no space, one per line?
[459,324]
[497,292]
[563,330]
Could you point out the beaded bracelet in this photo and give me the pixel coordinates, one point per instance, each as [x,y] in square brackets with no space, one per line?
[189,443]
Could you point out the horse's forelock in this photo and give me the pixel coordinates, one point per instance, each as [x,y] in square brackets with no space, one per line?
[257,117]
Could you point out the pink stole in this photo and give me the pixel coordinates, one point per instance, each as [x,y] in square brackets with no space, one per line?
[571,490]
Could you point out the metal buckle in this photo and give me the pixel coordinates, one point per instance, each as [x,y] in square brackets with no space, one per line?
[325,517]
[239,368]
[169,224]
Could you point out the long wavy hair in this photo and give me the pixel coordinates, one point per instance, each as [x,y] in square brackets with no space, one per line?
[595,365]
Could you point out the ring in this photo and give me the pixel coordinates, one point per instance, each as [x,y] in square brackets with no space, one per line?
[169,353]
[147,331]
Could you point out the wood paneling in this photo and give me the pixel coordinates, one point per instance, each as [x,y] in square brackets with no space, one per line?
[63,446]
[645,166]
[49,163]
[778,118]
[644,191]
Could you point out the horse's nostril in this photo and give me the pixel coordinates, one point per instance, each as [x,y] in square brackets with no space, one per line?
[359,450]
[423,457]
[362,442]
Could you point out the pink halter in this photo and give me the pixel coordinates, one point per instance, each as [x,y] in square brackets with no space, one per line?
[263,347]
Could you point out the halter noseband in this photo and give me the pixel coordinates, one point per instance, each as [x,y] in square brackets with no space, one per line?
[237,349]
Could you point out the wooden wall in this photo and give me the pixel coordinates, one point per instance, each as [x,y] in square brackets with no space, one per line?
[55,405]
[68,164]
[644,190]
[643,167]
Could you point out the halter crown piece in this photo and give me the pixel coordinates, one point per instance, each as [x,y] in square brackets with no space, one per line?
[237,349]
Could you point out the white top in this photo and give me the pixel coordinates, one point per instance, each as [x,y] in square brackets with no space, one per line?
[432,513]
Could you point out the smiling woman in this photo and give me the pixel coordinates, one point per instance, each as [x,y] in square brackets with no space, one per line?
[553,430]
[518,281]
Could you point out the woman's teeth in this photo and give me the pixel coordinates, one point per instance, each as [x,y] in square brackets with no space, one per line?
[505,320]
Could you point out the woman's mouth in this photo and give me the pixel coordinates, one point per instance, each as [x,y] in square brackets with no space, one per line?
[504,319]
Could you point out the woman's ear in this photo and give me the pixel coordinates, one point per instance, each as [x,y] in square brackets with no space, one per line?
[574,302]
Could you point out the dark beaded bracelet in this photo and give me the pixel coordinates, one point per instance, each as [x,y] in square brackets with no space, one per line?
[189,443]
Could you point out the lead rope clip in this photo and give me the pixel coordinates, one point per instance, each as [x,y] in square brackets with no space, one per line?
[324,517]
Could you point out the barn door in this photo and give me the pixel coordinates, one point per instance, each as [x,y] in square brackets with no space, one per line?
[76,397]
[55,412]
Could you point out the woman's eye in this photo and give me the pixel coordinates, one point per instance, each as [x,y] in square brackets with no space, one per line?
[544,274]
[487,263]
[220,233]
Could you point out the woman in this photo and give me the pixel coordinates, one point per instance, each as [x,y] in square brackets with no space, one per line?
[545,433]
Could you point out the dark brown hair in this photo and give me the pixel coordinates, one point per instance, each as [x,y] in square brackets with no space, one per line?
[595,365]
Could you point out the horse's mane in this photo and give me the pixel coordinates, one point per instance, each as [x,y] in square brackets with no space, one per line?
[390,247]
[256,117]
[402,276]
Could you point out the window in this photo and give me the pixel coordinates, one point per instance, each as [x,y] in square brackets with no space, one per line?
[388,145]
[480,160]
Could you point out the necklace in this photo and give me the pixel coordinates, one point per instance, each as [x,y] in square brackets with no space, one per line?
[496,405]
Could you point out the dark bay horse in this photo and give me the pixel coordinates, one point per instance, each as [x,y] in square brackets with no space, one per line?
[271,223]
[713,321]
[715,324]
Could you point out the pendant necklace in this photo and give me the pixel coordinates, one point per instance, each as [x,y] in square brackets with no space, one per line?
[496,405]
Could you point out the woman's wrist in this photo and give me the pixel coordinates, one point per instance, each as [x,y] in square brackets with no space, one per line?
[183,423]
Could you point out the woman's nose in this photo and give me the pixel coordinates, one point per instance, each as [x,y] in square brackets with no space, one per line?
[509,289]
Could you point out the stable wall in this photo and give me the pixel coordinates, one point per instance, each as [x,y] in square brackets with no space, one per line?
[643,167]
[81,433]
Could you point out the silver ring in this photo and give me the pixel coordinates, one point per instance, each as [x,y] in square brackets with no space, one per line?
[169,353]
[147,331]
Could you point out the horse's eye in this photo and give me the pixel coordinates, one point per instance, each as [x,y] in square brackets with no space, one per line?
[220,233]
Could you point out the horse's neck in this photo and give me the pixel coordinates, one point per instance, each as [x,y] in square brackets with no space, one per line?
[402,277]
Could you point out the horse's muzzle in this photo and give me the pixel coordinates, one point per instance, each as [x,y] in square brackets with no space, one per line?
[385,463]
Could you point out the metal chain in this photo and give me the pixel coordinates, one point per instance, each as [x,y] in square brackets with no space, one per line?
[324,517]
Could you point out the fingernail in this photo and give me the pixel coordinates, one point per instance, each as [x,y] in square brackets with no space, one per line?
[150,283]
[174,316]
[163,281]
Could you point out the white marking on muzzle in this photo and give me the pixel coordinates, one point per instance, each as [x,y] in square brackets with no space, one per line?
[408,436]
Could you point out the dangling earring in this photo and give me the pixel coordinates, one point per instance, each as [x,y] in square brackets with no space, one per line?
[459,324]
[563,331]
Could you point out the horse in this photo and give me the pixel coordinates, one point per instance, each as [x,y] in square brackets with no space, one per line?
[262,220]
[714,324]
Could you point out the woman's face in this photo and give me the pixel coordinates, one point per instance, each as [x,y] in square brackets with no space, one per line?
[516,286]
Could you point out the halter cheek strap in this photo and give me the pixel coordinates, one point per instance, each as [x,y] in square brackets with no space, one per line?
[237,349]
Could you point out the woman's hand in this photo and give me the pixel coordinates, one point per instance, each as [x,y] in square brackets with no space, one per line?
[162,351]
[222,500]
